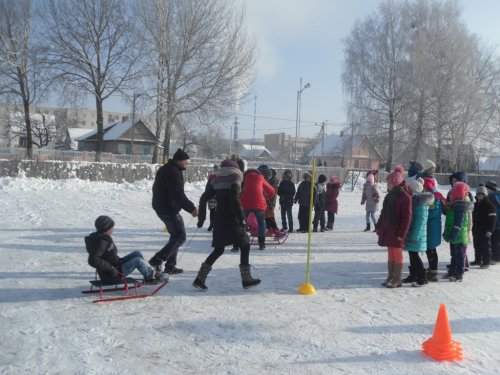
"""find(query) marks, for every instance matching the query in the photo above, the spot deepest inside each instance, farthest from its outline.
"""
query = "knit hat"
(229, 164)
(335, 180)
(287, 173)
(399, 168)
(415, 167)
(416, 185)
(394, 178)
(264, 169)
(180, 155)
(370, 179)
(459, 176)
(429, 184)
(481, 190)
(103, 224)
(459, 191)
(492, 185)
(321, 178)
(428, 164)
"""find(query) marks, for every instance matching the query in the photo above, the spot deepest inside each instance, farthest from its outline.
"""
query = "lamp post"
(297, 121)
(133, 121)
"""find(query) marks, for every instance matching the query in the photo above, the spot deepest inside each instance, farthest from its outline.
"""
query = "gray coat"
(371, 196)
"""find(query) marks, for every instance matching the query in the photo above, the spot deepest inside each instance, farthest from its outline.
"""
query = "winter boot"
(199, 282)
(235, 249)
(390, 272)
(396, 277)
(246, 278)
(410, 278)
(367, 229)
(262, 243)
(432, 275)
(421, 279)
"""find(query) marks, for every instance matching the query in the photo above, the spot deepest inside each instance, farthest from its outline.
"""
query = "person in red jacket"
(253, 199)
(393, 225)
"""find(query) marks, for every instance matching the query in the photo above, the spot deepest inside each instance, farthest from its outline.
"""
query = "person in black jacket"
(484, 218)
(103, 256)
(320, 204)
(168, 200)
(302, 197)
(229, 227)
(286, 192)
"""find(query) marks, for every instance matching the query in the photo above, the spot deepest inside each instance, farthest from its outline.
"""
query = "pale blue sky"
(303, 38)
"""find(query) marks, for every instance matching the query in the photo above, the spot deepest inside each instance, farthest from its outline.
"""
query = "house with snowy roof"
(346, 151)
(120, 137)
(254, 152)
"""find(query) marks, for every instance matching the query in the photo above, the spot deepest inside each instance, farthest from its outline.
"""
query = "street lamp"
(133, 121)
(297, 121)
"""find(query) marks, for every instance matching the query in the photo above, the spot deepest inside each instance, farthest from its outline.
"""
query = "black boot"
(410, 278)
(246, 278)
(262, 243)
(367, 229)
(199, 282)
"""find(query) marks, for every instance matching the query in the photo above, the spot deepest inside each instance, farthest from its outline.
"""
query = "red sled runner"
(275, 235)
(127, 285)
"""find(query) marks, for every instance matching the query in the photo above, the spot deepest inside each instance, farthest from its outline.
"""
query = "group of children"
(411, 220)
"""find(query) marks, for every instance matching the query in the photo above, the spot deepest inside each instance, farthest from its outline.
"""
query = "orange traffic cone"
(441, 346)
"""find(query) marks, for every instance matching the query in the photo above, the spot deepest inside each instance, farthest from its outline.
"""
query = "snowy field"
(351, 326)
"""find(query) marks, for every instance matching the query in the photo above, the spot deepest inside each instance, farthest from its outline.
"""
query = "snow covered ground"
(352, 325)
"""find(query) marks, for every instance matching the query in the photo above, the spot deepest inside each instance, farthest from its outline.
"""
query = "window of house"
(147, 150)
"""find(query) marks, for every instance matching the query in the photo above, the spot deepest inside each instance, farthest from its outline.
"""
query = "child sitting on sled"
(103, 256)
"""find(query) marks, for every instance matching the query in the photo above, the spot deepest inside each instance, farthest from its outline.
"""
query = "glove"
(488, 234)
(200, 224)
(454, 234)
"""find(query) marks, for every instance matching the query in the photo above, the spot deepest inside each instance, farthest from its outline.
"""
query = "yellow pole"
(308, 288)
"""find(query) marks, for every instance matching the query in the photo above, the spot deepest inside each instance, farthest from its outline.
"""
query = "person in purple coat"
(332, 204)
(392, 226)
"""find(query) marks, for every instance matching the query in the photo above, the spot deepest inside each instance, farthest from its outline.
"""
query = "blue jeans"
(261, 216)
(133, 261)
(175, 226)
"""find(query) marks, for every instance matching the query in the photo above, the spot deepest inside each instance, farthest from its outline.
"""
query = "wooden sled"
(129, 286)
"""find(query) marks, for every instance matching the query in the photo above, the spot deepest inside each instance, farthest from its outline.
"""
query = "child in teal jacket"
(416, 239)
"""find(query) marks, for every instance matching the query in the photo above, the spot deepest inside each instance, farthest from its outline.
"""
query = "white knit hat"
(428, 164)
(416, 185)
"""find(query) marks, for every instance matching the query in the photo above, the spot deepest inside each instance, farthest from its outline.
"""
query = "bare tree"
(91, 49)
(375, 60)
(21, 73)
(202, 60)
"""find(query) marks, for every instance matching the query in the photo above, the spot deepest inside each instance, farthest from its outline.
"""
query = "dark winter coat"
(434, 221)
(168, 190)
(416, 238)
(320, 201)
(395, 218)
(286, 192)
(229, 221)
(103, 256)
(303, 194)
(494, 198)
(332, 193)
(255, 191)
(457, 225)
(484, 218)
